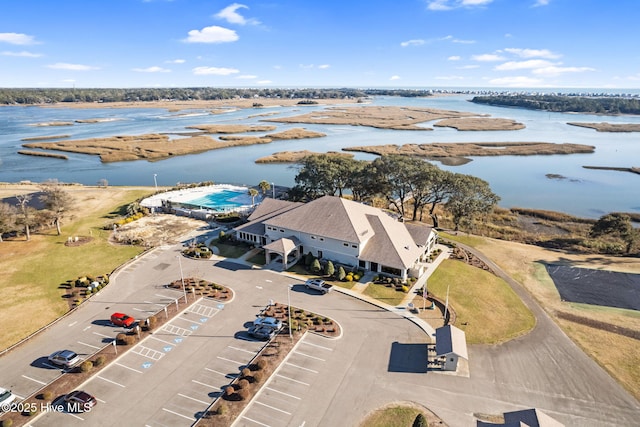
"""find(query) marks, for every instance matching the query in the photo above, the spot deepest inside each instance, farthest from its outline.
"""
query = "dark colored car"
(262, 332)
(66, 358)
(121, 319)
(80, 401)
(272, 322)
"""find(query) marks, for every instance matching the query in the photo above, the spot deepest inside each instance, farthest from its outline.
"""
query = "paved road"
(379, 359)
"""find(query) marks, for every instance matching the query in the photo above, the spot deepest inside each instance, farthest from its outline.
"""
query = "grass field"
(33, 270)
(487, 309)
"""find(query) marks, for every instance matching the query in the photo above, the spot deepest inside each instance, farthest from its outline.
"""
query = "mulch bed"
(78, 241)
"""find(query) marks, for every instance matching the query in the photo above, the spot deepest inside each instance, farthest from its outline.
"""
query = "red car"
(121, 319)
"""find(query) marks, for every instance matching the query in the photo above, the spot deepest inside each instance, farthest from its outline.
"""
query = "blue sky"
(313, 43)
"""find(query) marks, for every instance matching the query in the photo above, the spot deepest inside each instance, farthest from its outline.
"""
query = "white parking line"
(34, 380)
(155, 303)
(283, 393)
(158, 339)
(125, 366)
(273, 407)
(100, 400)
(230, 360)
(310, 356)
(302, 367)
(291, 379)
(102, 335)
(241, 349)
(88, 327)
(221, 373)
(257, 422)
(89, 345)
(148, 352)
(74, 415)
(194, 399)
(180, 415)
(109, 381)
(316, 345)
(73, 323)
(204, 384)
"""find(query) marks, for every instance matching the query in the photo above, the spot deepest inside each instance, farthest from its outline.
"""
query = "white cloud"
(247, 77)
(231, 15)
(541, 3)
(455, 40)
(151, 70)
(306, 66)
(488, 57)
(468, 67)
(522, 65)
(516, 81)
(449, 78)
(213, 34)
(394, 78)
(71, 67)
(553, 70)
(175, 61)
(454, 58)
(415, 42)
(23, 54)
(264, 82)
(17, 38)
(217, 71)
(533, 53)
(455, 4)
(324, 66)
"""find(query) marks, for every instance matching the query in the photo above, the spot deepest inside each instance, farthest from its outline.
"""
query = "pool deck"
(187, 195)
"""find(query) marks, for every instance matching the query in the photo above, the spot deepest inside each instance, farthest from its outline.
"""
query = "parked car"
(6, 398)
(262, 332)
(121, 319)
(272, 322)
(80, 401)
(66, 358)
(318, 285)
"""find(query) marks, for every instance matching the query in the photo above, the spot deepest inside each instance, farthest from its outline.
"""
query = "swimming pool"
(221, 200)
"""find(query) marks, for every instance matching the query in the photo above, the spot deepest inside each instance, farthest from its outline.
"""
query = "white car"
(6, 398)
(66, 358)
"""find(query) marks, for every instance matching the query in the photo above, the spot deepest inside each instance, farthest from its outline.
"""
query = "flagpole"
(446, 304)
(424, 295)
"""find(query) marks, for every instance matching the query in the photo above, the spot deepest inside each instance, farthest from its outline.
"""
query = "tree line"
(410, 185)
(557, 103)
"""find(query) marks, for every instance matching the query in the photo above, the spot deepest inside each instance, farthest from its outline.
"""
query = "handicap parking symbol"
(177, 340)
(220, 306)
(203, 319)
(147, 365)
(167, 348)
(194, 327)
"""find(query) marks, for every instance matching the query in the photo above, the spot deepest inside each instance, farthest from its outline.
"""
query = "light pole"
(289, 301)
(273, 189)
(155, 181)
(184, 290)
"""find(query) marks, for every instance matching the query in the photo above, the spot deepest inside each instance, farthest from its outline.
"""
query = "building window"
(345, 244)
(322, 239)
(354, 246)
(281, 230)
(313, 237)
(362, 264)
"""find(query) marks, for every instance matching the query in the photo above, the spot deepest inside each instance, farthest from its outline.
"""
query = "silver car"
(66, 358)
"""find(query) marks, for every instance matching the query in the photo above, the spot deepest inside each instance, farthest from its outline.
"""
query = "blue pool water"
(222, 200)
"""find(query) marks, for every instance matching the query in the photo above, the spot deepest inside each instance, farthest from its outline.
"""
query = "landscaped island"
(564, 103)
(295, 156)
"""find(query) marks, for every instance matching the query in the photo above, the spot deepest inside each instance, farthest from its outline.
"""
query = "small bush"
(315, 266)
(258, 377)
(99, 361)
(243, 383)
(420, 421)
(244, 394)
(86, 366)
(329, 269)
(222, 409)
(229, 390)
(6, 423)
(246, 372)
(405, 288)
(261, 364)
(151, 323)
(341, 273)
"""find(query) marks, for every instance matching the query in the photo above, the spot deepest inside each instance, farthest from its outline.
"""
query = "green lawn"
(487, 309)
(34, 270)
(395, 416)
(229, 251)
(382, 293)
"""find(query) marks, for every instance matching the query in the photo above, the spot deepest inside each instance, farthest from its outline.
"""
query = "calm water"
(519, 181)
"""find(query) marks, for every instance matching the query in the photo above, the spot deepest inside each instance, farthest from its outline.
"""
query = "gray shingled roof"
(450, 339)
(265, 210)
(532, 418)
(391, 244)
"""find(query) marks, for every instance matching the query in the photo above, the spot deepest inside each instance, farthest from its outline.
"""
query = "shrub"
(405, 288)
(341, 273)
(308, 259)
(420, 421)
(86, 366)
(243, 383)
(244, 394)
(222, 409)
(329, 268)
(6, 423)
(99, 360)
(349, 278)
(261, 364)
(46, 395)
(315, 266)
(151, 323)
(229, 390)
(246, 372)
(257, 377)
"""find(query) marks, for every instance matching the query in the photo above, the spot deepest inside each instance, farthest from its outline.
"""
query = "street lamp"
(184, 290)
(155, 181)
(289, 301)
(273, 188)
